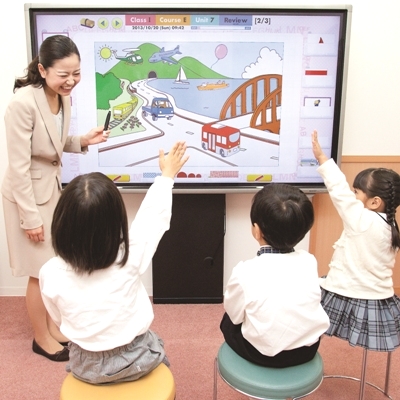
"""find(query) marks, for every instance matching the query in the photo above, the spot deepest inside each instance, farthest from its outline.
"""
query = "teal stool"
(267, 383)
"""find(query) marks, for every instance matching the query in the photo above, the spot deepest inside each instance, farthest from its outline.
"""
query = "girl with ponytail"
(357, 292)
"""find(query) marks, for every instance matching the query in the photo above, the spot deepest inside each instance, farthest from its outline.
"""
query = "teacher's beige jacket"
(35, 149)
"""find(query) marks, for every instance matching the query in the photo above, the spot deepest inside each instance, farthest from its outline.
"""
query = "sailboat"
(181, 78)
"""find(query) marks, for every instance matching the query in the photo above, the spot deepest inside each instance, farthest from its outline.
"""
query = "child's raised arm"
(318, 153)
(171, 163)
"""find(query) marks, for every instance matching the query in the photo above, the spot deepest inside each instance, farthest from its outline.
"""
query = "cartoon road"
(131, 150)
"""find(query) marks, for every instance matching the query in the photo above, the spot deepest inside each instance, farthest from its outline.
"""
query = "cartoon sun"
(105, 53)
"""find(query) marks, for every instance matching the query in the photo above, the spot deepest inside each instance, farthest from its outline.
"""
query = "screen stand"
(188, 263)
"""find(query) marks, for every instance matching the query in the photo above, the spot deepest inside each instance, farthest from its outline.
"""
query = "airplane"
(165, 56)
(130, 56)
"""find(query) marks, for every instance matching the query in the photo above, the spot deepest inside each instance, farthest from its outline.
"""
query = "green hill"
(108, 84)
(162, 70)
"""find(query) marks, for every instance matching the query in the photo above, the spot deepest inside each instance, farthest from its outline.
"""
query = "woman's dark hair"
(52, 49)
(90, 224)
(383, 183)
(283, 213)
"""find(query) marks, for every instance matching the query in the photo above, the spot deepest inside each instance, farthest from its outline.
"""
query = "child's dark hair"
(53, 48)
(383, 183)
(283, 213)
(90, 224)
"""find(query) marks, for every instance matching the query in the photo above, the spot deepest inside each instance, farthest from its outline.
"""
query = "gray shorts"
(122, 364)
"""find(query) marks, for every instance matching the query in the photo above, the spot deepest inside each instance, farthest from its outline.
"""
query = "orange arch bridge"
(246, 100)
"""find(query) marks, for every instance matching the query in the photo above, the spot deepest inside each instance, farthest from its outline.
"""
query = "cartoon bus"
(220, 139)
(121, 111)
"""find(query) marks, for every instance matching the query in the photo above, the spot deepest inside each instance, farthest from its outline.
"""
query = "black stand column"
(188, 263)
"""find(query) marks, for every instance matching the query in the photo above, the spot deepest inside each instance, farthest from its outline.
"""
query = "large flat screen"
(243, 86)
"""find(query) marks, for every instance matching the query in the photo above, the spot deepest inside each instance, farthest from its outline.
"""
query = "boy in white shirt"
(273, 313)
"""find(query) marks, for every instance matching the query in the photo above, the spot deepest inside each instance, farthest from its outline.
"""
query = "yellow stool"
(159, 384)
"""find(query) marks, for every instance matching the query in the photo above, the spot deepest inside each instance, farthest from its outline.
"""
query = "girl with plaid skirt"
(358, 293)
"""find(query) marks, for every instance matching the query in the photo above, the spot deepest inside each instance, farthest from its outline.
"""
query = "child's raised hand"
(171, 163)
(318, 153)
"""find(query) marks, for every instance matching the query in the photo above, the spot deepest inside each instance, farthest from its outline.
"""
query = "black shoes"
(62, 355)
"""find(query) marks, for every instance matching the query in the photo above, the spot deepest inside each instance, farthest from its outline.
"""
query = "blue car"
(160, 107)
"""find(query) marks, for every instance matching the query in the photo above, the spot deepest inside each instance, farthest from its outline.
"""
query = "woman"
(37, 123)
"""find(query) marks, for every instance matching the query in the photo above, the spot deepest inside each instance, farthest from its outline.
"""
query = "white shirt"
(59, 120)
(110, 307)
(277, 299)
(363, 260)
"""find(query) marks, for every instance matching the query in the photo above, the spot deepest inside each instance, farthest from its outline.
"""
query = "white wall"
(372, 118)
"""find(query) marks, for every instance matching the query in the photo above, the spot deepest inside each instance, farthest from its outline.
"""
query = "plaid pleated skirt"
(372, 324)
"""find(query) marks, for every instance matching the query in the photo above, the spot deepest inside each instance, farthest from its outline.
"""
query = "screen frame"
(341, 74)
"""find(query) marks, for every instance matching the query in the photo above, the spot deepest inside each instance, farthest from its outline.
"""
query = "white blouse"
(59, 120)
